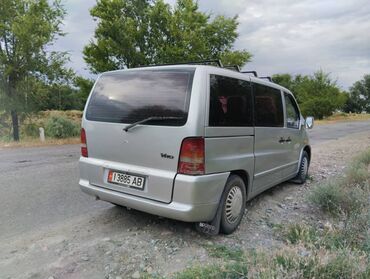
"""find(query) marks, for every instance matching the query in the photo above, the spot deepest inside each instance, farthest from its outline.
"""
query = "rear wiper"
(156, 118)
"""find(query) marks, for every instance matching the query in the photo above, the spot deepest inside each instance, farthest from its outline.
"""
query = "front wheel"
(233, 204)
(303, 169)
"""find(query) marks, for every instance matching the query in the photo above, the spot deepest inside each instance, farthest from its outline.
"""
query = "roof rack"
(205, 62)
(218, 63)
(250, 72)
(233, 67)
(268, 78)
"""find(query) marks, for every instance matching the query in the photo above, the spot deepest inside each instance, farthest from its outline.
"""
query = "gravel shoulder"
(117, 243)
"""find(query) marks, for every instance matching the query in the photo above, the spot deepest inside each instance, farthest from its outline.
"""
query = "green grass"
(296, 233)
(224, 252)
(234, 270)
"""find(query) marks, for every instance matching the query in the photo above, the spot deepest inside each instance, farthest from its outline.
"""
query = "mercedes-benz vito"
(190, 142)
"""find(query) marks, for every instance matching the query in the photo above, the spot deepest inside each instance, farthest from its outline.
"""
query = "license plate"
(126, 179)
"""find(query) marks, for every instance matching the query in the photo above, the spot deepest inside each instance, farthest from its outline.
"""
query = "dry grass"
(339, 250)
(41, 117)
(287, 262)
(35, 142)
(343, 117)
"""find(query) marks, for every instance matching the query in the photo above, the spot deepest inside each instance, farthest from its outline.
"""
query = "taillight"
(192, 156)
(84, 152)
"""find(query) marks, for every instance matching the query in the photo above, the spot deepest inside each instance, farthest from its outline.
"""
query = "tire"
(303, 169)
(233, 204)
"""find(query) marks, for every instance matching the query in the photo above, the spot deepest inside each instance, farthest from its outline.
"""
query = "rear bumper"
(195, 198)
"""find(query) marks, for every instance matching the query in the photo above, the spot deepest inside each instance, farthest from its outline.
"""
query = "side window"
(292, 112)
(230, 102)
(268, 106)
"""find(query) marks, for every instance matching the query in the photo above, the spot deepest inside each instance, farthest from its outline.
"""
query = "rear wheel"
(233, 204)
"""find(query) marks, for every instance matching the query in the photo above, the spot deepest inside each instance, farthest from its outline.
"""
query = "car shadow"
(118, 219)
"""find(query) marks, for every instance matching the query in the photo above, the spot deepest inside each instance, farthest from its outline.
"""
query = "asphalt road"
(327, 132)
(39, 186)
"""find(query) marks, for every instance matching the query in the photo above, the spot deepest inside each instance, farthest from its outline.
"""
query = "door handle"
(281, 140)
(288, 140)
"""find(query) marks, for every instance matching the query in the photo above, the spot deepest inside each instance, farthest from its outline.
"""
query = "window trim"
(295, 105)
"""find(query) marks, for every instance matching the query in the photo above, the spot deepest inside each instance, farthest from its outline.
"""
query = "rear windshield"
(131, 96)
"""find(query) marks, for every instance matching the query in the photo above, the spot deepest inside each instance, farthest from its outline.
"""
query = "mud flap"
(213, 227)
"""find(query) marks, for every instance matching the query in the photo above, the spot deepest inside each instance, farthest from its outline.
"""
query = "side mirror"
(309, 122)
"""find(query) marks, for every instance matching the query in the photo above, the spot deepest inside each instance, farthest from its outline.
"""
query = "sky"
(284, 36)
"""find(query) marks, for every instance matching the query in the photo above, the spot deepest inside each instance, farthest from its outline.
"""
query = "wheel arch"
(307, 148)
(246, 179)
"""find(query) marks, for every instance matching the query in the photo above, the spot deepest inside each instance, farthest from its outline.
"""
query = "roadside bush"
(329, 196)
(349, 195)
(30, 123)
(5, 127)
(30, 130)
(61, 127)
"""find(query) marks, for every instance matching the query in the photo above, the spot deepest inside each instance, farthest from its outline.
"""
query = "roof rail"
(214, 61)
(233, 67)
(205, 62)
(250, 72)
(268, 78)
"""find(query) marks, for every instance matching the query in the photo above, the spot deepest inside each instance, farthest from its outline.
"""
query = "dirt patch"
(118, 243)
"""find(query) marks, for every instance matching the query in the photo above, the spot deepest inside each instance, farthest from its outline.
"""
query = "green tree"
(285, 80)
(84, 87)
(27, 27)
(318, 95)
(131, 33)
(359, 96)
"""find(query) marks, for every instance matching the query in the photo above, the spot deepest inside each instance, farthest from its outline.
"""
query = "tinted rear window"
(230, 102)
(131, 96)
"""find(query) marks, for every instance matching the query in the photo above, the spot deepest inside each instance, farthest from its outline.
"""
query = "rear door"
(269, 147)
(149, 150)
(229, 133)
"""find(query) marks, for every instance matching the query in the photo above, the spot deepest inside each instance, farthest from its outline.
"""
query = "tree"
(27, 27)
(131, 33)
(318, 95)
(84, 87)
(285, 80)
(359, 96)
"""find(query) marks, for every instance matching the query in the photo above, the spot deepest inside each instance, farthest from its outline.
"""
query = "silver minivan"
(190, 142)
